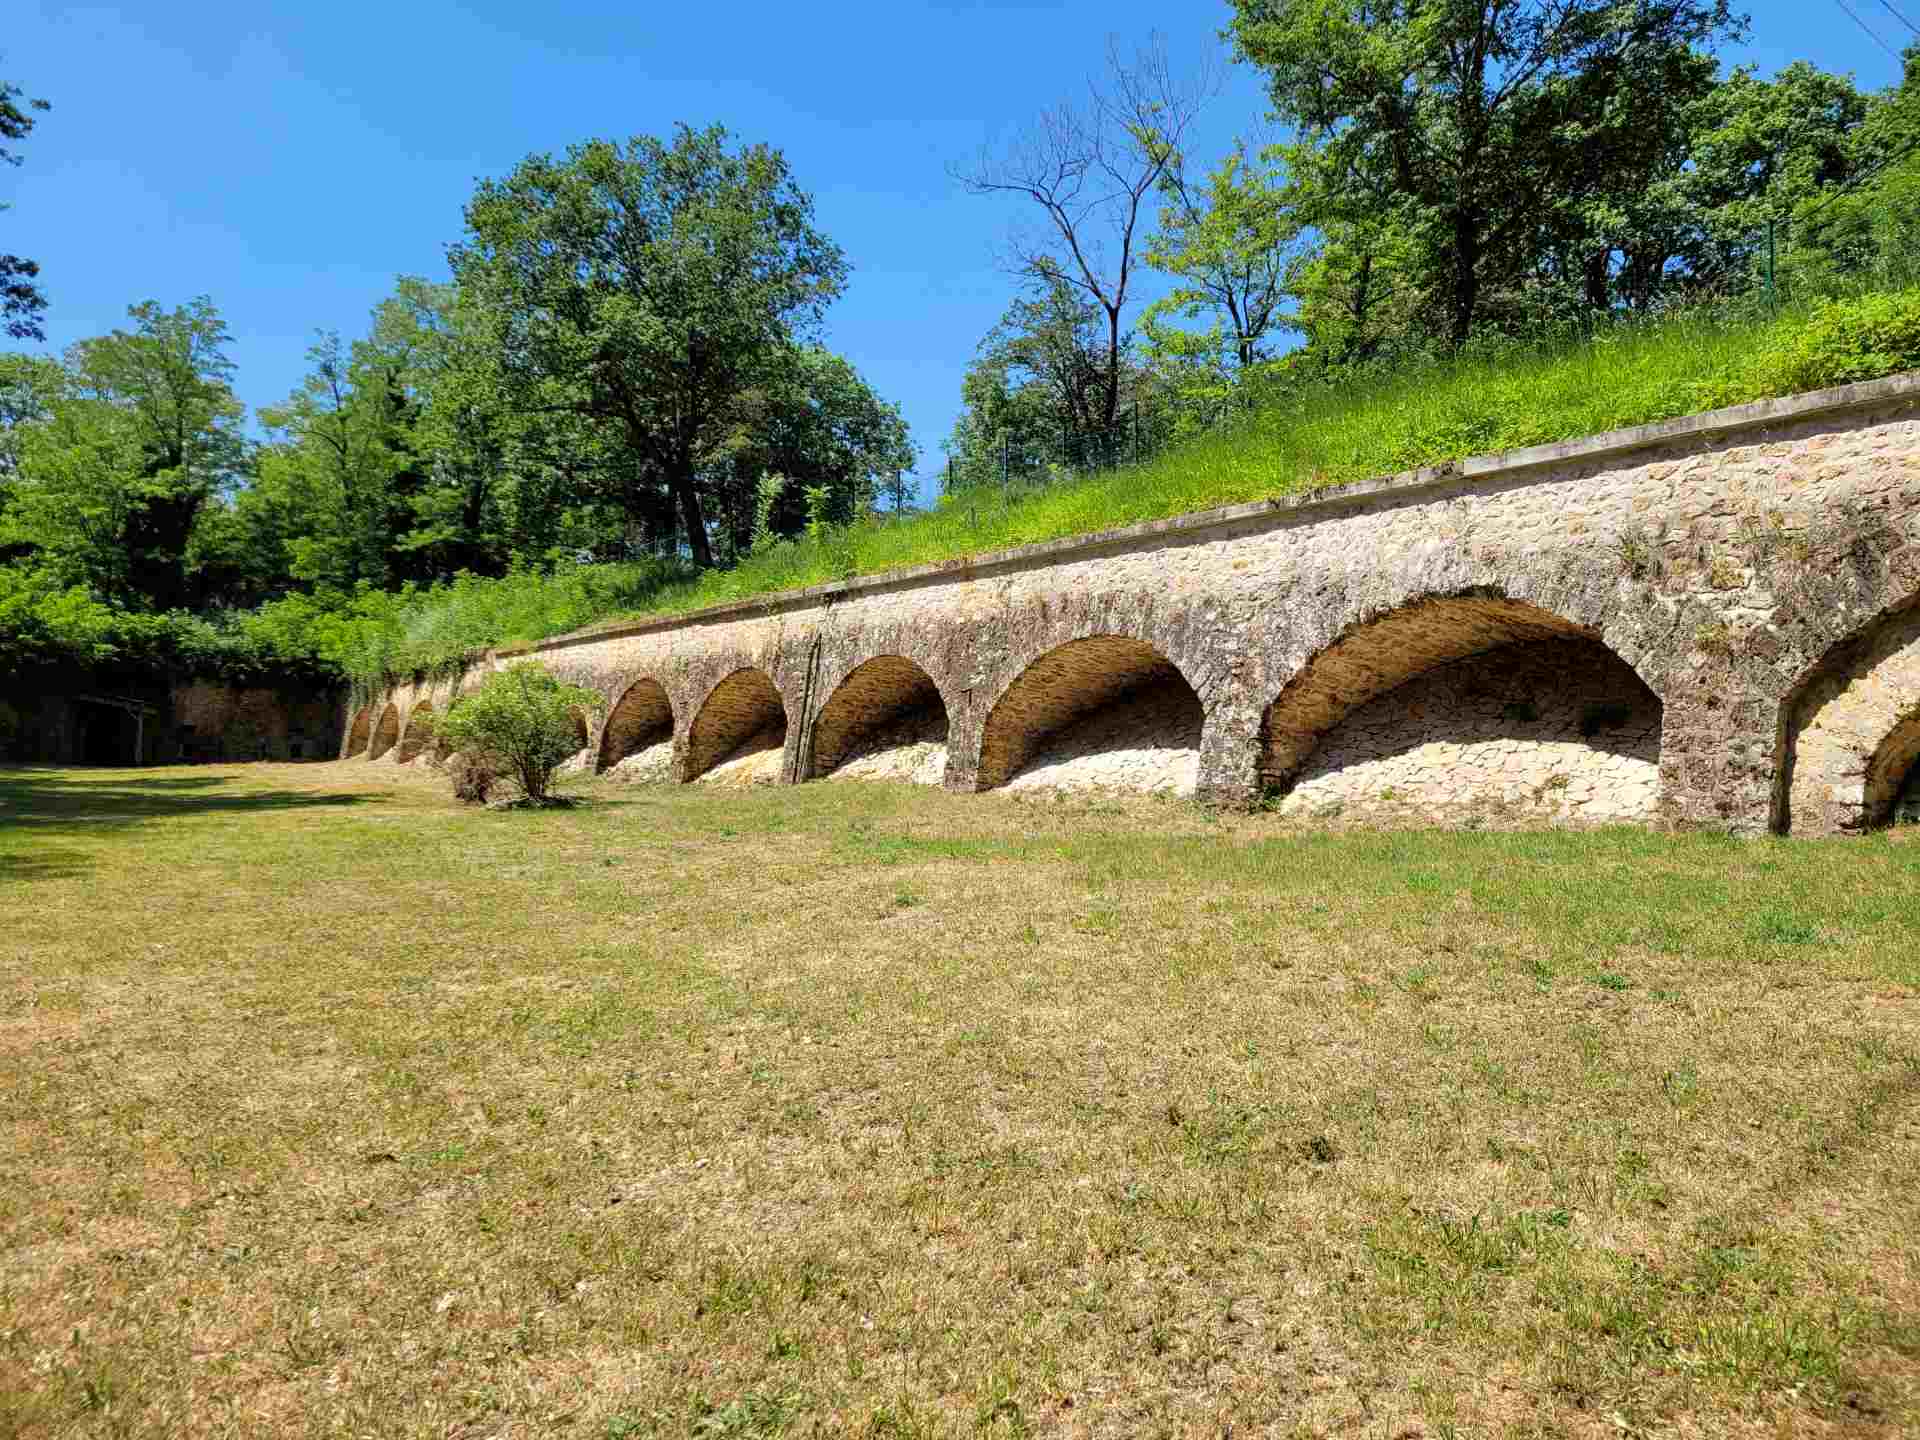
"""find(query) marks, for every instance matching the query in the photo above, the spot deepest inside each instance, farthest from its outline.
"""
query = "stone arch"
(886, 694)
(642, 719)
(1850, 731)
(1066, 693)
(387, 733)
(360, 731)
(582, 730)
(1450, 704)
(742, 715)
(418, 733)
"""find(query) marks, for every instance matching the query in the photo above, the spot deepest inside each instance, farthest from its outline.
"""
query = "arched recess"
(888, 702)
(582, 731)
(1851, 732)
(419, 732)
(360, 731)
(743, 715)
(642, 719)
(386, 734)
(1459, 703)
(1105, 710)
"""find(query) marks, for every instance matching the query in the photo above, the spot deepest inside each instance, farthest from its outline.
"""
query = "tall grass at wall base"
(1303, 439)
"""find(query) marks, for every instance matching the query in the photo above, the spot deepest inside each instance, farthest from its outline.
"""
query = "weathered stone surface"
(1738, 565)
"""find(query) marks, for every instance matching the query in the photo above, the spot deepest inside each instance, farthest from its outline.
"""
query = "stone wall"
(1702, 623)
(82, 718)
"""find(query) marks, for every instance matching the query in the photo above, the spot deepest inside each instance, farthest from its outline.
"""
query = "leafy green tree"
(139, 435)
(21, 301)
(1463, 116)
(520, 720)
(648, 288)
(816, 422)
(1231, 243)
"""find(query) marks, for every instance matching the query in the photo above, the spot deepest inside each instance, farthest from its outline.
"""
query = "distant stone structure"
(72, 717)
(1709, 622)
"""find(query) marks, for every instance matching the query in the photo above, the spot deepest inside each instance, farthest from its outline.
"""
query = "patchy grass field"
(331, 1109)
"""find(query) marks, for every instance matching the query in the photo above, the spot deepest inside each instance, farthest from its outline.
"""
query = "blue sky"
(290, 159)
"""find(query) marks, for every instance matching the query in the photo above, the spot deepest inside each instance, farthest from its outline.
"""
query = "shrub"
(1844, 341)
(517, 724)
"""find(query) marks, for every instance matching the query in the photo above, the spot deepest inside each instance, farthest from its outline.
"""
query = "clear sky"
(290, 158)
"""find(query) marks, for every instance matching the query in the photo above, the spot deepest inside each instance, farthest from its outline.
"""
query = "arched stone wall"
(360, 732)
(418, 733)
(642, 719)
(1381, 654)
(1085, 686)
(386, 734)
(743, 714)
(1852, 730)
(1559, 729)
(582, 728)
(886, 702)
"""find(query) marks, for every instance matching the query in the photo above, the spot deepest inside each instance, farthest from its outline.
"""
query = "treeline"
(626, 352)
(1450, 180)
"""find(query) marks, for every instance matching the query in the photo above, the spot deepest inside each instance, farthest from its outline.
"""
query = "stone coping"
(1200, 525)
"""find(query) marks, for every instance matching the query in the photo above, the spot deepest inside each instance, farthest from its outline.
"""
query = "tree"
(1468, 114)
(1037, 393)
(140, 434)
(1091, 168)
(816, 422)
(1230, 242)
(647, 288)
(20, 299)
(520, 720)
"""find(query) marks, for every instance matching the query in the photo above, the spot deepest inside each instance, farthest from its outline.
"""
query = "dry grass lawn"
(328, 1108)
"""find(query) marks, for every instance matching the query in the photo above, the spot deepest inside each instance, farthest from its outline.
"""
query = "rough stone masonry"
(1713, 621)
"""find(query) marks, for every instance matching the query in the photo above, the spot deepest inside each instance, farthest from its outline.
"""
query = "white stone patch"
(651, 766)
(580, 762)
(756, 762)
(1147, 743)
(912, 748)
(1559, 729)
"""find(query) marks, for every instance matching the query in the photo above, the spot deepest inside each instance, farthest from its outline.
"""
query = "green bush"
(1842, 342)
(519, 723)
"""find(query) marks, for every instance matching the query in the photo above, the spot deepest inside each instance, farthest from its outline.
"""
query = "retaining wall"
(1713, 621)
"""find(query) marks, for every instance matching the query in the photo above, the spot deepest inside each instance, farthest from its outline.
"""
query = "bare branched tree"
(1092, 168)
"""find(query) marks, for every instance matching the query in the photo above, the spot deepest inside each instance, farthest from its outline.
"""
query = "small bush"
(1844, 341)
(519, 724)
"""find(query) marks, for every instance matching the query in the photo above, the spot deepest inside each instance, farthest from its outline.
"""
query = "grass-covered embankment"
(1311, 438)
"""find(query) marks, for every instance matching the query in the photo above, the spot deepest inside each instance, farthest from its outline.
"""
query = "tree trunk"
(1599, 294)
(691, 513)
(1466, 275)
(1111, 400)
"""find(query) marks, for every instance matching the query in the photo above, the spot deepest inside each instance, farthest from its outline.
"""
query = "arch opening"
(636, 743)
(419, 733)
(1464, 706)
(1850, 734)
(886, 721)
(360, 731)
(740, 733)
(386, 734)
(1106, 712)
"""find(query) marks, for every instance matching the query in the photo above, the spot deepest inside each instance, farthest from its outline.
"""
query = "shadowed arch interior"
(386, 734)
(582, 733)
(419, 732)
(1850, 732)
(1382, 655)
(1068, 684)
(743, 710)
(879, 693)
(642, 719)
(360, 732)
